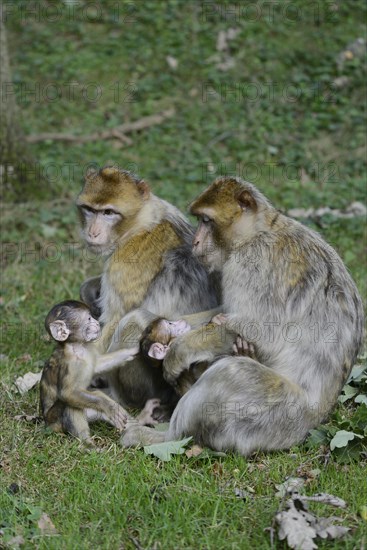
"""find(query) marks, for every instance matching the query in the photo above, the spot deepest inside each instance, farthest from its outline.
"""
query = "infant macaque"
(155, 346)
(158, 336)
(67, 403)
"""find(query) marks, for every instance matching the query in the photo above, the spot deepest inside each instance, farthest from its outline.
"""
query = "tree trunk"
(18, 176)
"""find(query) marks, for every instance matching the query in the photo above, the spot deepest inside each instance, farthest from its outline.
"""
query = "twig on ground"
(114, 133)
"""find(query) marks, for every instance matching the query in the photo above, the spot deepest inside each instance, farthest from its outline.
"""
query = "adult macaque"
(67, 404)
(147, 245)
(149, 263)
(286, 291)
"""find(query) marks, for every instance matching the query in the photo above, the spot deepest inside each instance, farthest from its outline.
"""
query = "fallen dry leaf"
(224, 37)
(298, 525)
(15, 541)
(291, 485)
(172, 62)
(325, 498)
(227, 64)
(308, 474)
(326, 530)
(28, 381)
(195, 450)
(27, 417)
(217, 469)
(295, 528)
(46, 526)
(24, 358)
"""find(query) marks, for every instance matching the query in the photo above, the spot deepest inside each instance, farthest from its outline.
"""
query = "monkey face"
(108, 204)
(100, 227)
(89, 329)
(72, 321)
(227, 213)
(209, 250)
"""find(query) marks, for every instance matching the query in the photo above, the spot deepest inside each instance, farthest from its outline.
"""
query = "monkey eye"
(205, 219)
(87, 209)
(108, 212)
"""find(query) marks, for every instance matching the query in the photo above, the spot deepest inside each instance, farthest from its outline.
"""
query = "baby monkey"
(155, 346)
(67, 403)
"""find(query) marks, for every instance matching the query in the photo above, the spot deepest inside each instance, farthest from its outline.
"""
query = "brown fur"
(142, 254)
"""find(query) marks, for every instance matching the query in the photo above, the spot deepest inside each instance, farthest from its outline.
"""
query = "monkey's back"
(306, 308)
(51, 406)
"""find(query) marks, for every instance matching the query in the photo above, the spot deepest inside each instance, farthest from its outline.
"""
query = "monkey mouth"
(93, 335)
(98, 248)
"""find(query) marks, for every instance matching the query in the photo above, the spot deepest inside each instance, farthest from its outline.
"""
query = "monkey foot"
(136, 434)
(219, 319)
(146, 417)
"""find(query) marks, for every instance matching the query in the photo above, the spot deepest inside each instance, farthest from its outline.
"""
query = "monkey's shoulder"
(151, 243)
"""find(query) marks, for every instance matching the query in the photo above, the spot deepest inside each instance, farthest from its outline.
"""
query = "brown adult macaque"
(67, 403)
(284, 290)
(162, 341)
(149, 263)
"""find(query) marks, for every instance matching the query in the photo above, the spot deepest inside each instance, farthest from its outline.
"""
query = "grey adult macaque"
(286, 291)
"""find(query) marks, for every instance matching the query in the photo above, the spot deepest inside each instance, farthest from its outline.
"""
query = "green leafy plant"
(346, 434)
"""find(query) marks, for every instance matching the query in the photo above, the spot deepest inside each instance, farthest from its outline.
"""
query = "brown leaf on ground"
(217, 469)
(195, 450)
(46, 526)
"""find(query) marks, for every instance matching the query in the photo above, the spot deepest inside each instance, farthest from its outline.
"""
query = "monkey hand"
(243, 348)
(119, 417)
(219, 319)
(130, 353)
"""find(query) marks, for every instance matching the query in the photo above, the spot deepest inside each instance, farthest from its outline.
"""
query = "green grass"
(308, 152)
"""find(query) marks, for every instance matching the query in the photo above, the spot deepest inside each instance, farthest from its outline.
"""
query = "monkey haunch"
(275, 273)
(149, 264)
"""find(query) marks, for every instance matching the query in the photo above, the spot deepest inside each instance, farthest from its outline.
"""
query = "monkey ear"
(59, 331)
(157, 351)
(247, 201)
(91, 173)
(144, 189)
